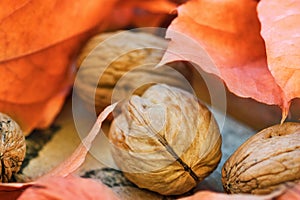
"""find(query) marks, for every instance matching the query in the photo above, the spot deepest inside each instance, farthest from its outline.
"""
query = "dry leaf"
(67, 188)
(207, 195)
(39, 42)
(71, 164)
(291, 194)
(11, 191)
(228, 32)
(280, 30)
(140, 13)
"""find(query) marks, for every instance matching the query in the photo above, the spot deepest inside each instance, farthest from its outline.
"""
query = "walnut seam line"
(170, 150)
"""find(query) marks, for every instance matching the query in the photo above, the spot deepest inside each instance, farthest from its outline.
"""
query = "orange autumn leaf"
(39, 40)
(67, 188)
(223, 38)
(289, 193)
(138, 13)
(208, 195)
(280, 30)
(13, 190)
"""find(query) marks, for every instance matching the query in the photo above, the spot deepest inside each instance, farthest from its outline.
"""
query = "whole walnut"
(165, 140)
(265, 162)
(12, 147)
(124, 63)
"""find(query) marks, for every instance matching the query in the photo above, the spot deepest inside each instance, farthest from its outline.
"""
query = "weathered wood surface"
(99, 164)
(243, 117)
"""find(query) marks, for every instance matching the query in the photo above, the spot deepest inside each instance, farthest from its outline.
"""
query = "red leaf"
(223, 38)
(68, 188)
(291, 194)
(11, 191)
(207, 195)
(38, 43)
(280, 30)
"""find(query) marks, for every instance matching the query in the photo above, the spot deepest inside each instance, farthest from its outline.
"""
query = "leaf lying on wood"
(38, 45)
(67, 188)
(207, 195)
(223, 38)
(289, 193)
(71, 164)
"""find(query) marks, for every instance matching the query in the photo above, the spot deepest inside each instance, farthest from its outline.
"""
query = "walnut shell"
(12, 147)
(265, 161)
(165, 140)
(107, 57)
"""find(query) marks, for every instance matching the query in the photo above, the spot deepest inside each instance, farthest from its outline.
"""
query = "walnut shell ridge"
(12, 147)
(265, 162)
(165, 140)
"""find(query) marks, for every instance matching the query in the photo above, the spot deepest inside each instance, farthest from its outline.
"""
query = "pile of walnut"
(164, 139)
(12, 148)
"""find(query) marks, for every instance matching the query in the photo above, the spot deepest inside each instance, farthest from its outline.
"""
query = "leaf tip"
(285, 111)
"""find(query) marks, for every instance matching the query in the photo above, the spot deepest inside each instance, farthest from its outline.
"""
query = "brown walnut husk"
(165, 140)
(265, 162)
(107, 57)
(12, 147)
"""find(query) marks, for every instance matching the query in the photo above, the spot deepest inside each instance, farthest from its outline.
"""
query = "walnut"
(108, 57)
(12, 147)
(265, 162)
(165, 140)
